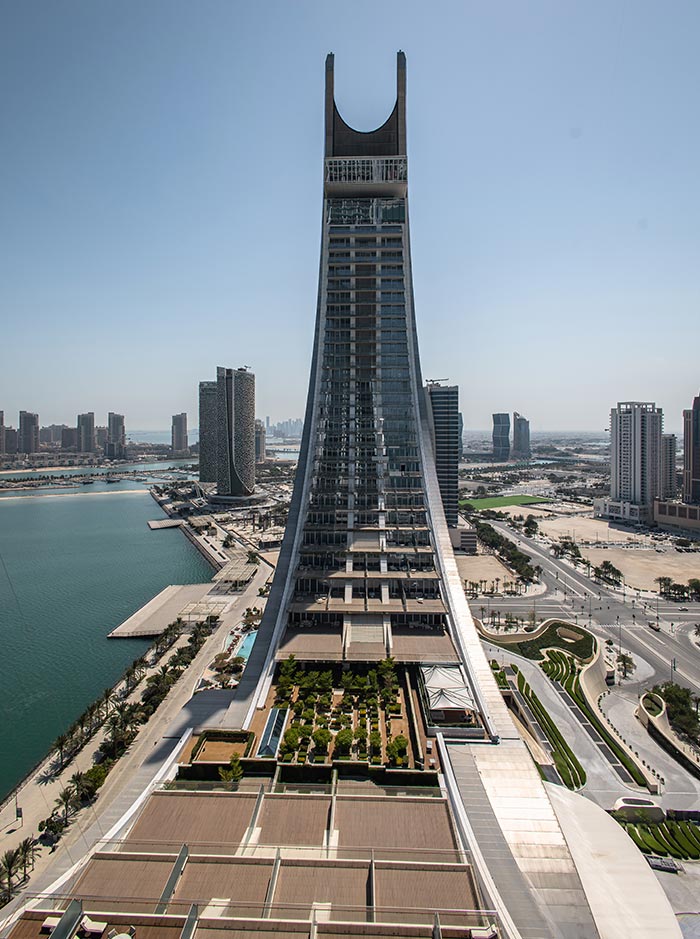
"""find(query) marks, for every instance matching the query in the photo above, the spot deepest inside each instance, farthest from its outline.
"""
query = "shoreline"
(137, 757)
(48, 756)
(202, 548)
(49, 470)
(63, 495)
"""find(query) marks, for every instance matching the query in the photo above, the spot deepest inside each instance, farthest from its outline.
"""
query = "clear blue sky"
(160, 199)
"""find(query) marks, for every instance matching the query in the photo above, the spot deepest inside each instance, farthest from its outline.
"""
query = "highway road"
(624, 617)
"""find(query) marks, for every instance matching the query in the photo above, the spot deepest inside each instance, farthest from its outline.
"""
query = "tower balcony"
(369, 176)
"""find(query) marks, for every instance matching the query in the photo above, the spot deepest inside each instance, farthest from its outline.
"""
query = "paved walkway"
(163, 609)
(603, 785)
(680, 790)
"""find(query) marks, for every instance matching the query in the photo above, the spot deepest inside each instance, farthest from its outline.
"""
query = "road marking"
(658, 656)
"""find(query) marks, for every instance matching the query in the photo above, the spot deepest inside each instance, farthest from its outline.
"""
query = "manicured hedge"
(680, 840)
(572, 773)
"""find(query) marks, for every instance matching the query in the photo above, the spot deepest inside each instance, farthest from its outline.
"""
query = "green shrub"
(343, 740)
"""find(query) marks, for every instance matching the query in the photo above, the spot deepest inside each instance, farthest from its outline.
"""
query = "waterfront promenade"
(155, 615)
(155, 741)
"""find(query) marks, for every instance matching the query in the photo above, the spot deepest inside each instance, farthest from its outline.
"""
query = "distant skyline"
(162, 173)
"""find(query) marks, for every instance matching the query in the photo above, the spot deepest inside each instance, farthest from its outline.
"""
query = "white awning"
(446, 688)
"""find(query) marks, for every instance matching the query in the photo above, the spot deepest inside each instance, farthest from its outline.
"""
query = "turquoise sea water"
(163, 465)
(73, 565)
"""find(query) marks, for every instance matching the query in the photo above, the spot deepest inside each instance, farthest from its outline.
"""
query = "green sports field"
(496, 502)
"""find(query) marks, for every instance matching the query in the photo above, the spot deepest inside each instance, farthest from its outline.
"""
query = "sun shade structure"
(447, 689)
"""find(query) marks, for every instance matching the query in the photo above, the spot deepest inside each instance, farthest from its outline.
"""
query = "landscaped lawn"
(553, 637)
(495, 502)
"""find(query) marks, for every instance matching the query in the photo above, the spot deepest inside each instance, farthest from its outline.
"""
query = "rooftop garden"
(344, 714)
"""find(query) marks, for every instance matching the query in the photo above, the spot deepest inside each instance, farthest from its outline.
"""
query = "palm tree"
(121, 722)
(9, 862)
(27, 852)
(93, 713)
(129, 676)
(107, 699)
(664, 584)
(60, 744)
(65, 801)
(140, 666)
(163, 677)
(81, 786)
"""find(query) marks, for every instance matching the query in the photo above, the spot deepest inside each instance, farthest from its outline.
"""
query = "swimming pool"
(246, 644)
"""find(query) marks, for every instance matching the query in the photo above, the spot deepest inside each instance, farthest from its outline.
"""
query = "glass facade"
(365, 551)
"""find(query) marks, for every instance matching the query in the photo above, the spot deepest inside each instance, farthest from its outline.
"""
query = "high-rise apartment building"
(444, 416)
(501, 437)
(691, 453)
(51, 435)
(115, 448)
(2, 432)
(521, 437)
(85, 428)
(668, 486)
(69, 438)
(636, 428)
(208, 431)
(260, 441)
(668, 513)
(28, 434)
(178, 433)
(636, 479)
(235, 449)
(11, 440)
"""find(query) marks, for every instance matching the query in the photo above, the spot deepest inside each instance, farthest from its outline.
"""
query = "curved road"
(623, 616)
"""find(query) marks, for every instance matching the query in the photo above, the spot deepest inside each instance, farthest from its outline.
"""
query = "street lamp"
(619, 635)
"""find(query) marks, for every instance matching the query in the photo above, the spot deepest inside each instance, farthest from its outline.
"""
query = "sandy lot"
(481, 567)
(548, 510)
(586, 528)
(524, 510)
(641, 567)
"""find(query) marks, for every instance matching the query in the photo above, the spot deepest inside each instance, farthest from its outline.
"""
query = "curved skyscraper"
(366, 569)
(386, 790)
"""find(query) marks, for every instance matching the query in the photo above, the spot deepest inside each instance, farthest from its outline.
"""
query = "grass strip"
(692, 832)
(634, 835)
(573, 686)
(654, 845)
(568, 766)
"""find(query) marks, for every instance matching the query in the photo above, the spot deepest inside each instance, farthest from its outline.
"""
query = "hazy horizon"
(161, 193)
